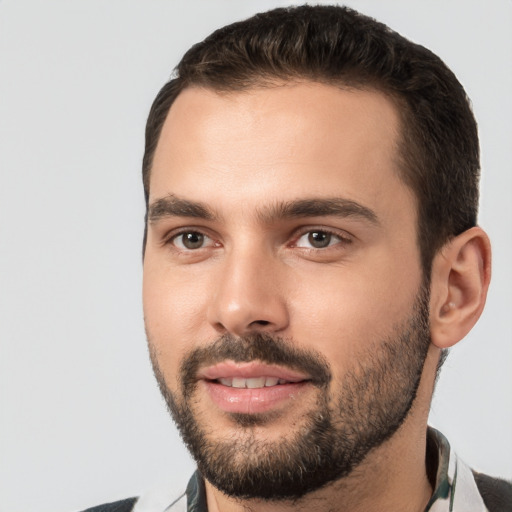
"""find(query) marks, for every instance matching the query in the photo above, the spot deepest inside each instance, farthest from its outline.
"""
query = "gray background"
(81, 418)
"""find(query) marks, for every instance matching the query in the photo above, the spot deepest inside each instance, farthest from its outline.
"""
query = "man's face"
(284, 303)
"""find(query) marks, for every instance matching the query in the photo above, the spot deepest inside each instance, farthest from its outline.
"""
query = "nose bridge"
(249, 297)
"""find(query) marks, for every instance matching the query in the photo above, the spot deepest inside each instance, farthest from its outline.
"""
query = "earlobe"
(461, 272)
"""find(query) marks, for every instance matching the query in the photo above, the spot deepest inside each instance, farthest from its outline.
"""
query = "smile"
(252, 383)
(252, 387)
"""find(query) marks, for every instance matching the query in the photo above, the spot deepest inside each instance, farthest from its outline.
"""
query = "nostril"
(260, 322)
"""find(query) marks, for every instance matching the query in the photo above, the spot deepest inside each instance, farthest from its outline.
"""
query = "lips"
(253, 387)
(229, 370)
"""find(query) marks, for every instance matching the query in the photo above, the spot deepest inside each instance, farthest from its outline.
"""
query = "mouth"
(252, 383)
(252, 388)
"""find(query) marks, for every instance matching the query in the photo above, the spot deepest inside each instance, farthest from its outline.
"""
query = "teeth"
(239, 382)
(252, 383)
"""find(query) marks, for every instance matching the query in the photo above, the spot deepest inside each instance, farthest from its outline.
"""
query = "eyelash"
(170, 240)
(342, 239)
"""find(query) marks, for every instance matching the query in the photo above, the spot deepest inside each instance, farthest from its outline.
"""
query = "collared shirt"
(455, 487)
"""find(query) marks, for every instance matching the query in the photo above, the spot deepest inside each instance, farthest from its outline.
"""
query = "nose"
(249, 296)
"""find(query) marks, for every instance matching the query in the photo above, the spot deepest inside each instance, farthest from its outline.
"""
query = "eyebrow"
(321, 207)
(174, 206)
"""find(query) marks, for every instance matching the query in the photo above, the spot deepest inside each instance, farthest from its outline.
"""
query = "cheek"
(343, 312)
(174, 312)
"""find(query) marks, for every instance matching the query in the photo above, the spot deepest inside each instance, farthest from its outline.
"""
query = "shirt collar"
(196, 494)
(455, 489)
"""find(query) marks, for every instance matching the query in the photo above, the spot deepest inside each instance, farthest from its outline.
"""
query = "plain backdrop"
(81, 419)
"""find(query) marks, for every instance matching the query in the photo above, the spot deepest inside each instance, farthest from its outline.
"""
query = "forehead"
(277, 143)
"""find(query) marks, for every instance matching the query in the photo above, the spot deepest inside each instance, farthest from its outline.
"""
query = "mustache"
(262, 347)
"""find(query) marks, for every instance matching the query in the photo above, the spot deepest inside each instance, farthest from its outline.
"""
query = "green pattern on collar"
(443, 487)
(196, 494)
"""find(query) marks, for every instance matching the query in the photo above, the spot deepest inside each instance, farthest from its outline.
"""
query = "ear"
(460, 277)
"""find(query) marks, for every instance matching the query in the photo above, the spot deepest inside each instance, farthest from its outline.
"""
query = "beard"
(335, 435)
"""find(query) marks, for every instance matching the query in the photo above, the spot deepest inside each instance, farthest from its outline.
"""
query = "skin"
(241, 154)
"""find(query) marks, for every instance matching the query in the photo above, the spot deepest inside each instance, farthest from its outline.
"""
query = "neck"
(392, 478)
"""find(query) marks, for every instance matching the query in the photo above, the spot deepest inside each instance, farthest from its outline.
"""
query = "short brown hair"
(439, 151)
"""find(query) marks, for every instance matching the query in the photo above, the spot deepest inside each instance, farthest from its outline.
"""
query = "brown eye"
(319, 239)
(190, 240)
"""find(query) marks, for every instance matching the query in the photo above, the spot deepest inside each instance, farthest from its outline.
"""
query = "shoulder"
(116, 506)
(496, 492)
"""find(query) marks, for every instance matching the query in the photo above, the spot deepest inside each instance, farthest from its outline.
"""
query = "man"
(311, 251)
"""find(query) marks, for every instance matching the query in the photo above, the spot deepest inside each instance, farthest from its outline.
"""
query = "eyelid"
(168, 238)
(344, 237)
(173, 234)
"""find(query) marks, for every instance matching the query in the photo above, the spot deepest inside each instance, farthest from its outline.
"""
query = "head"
(311, 181)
